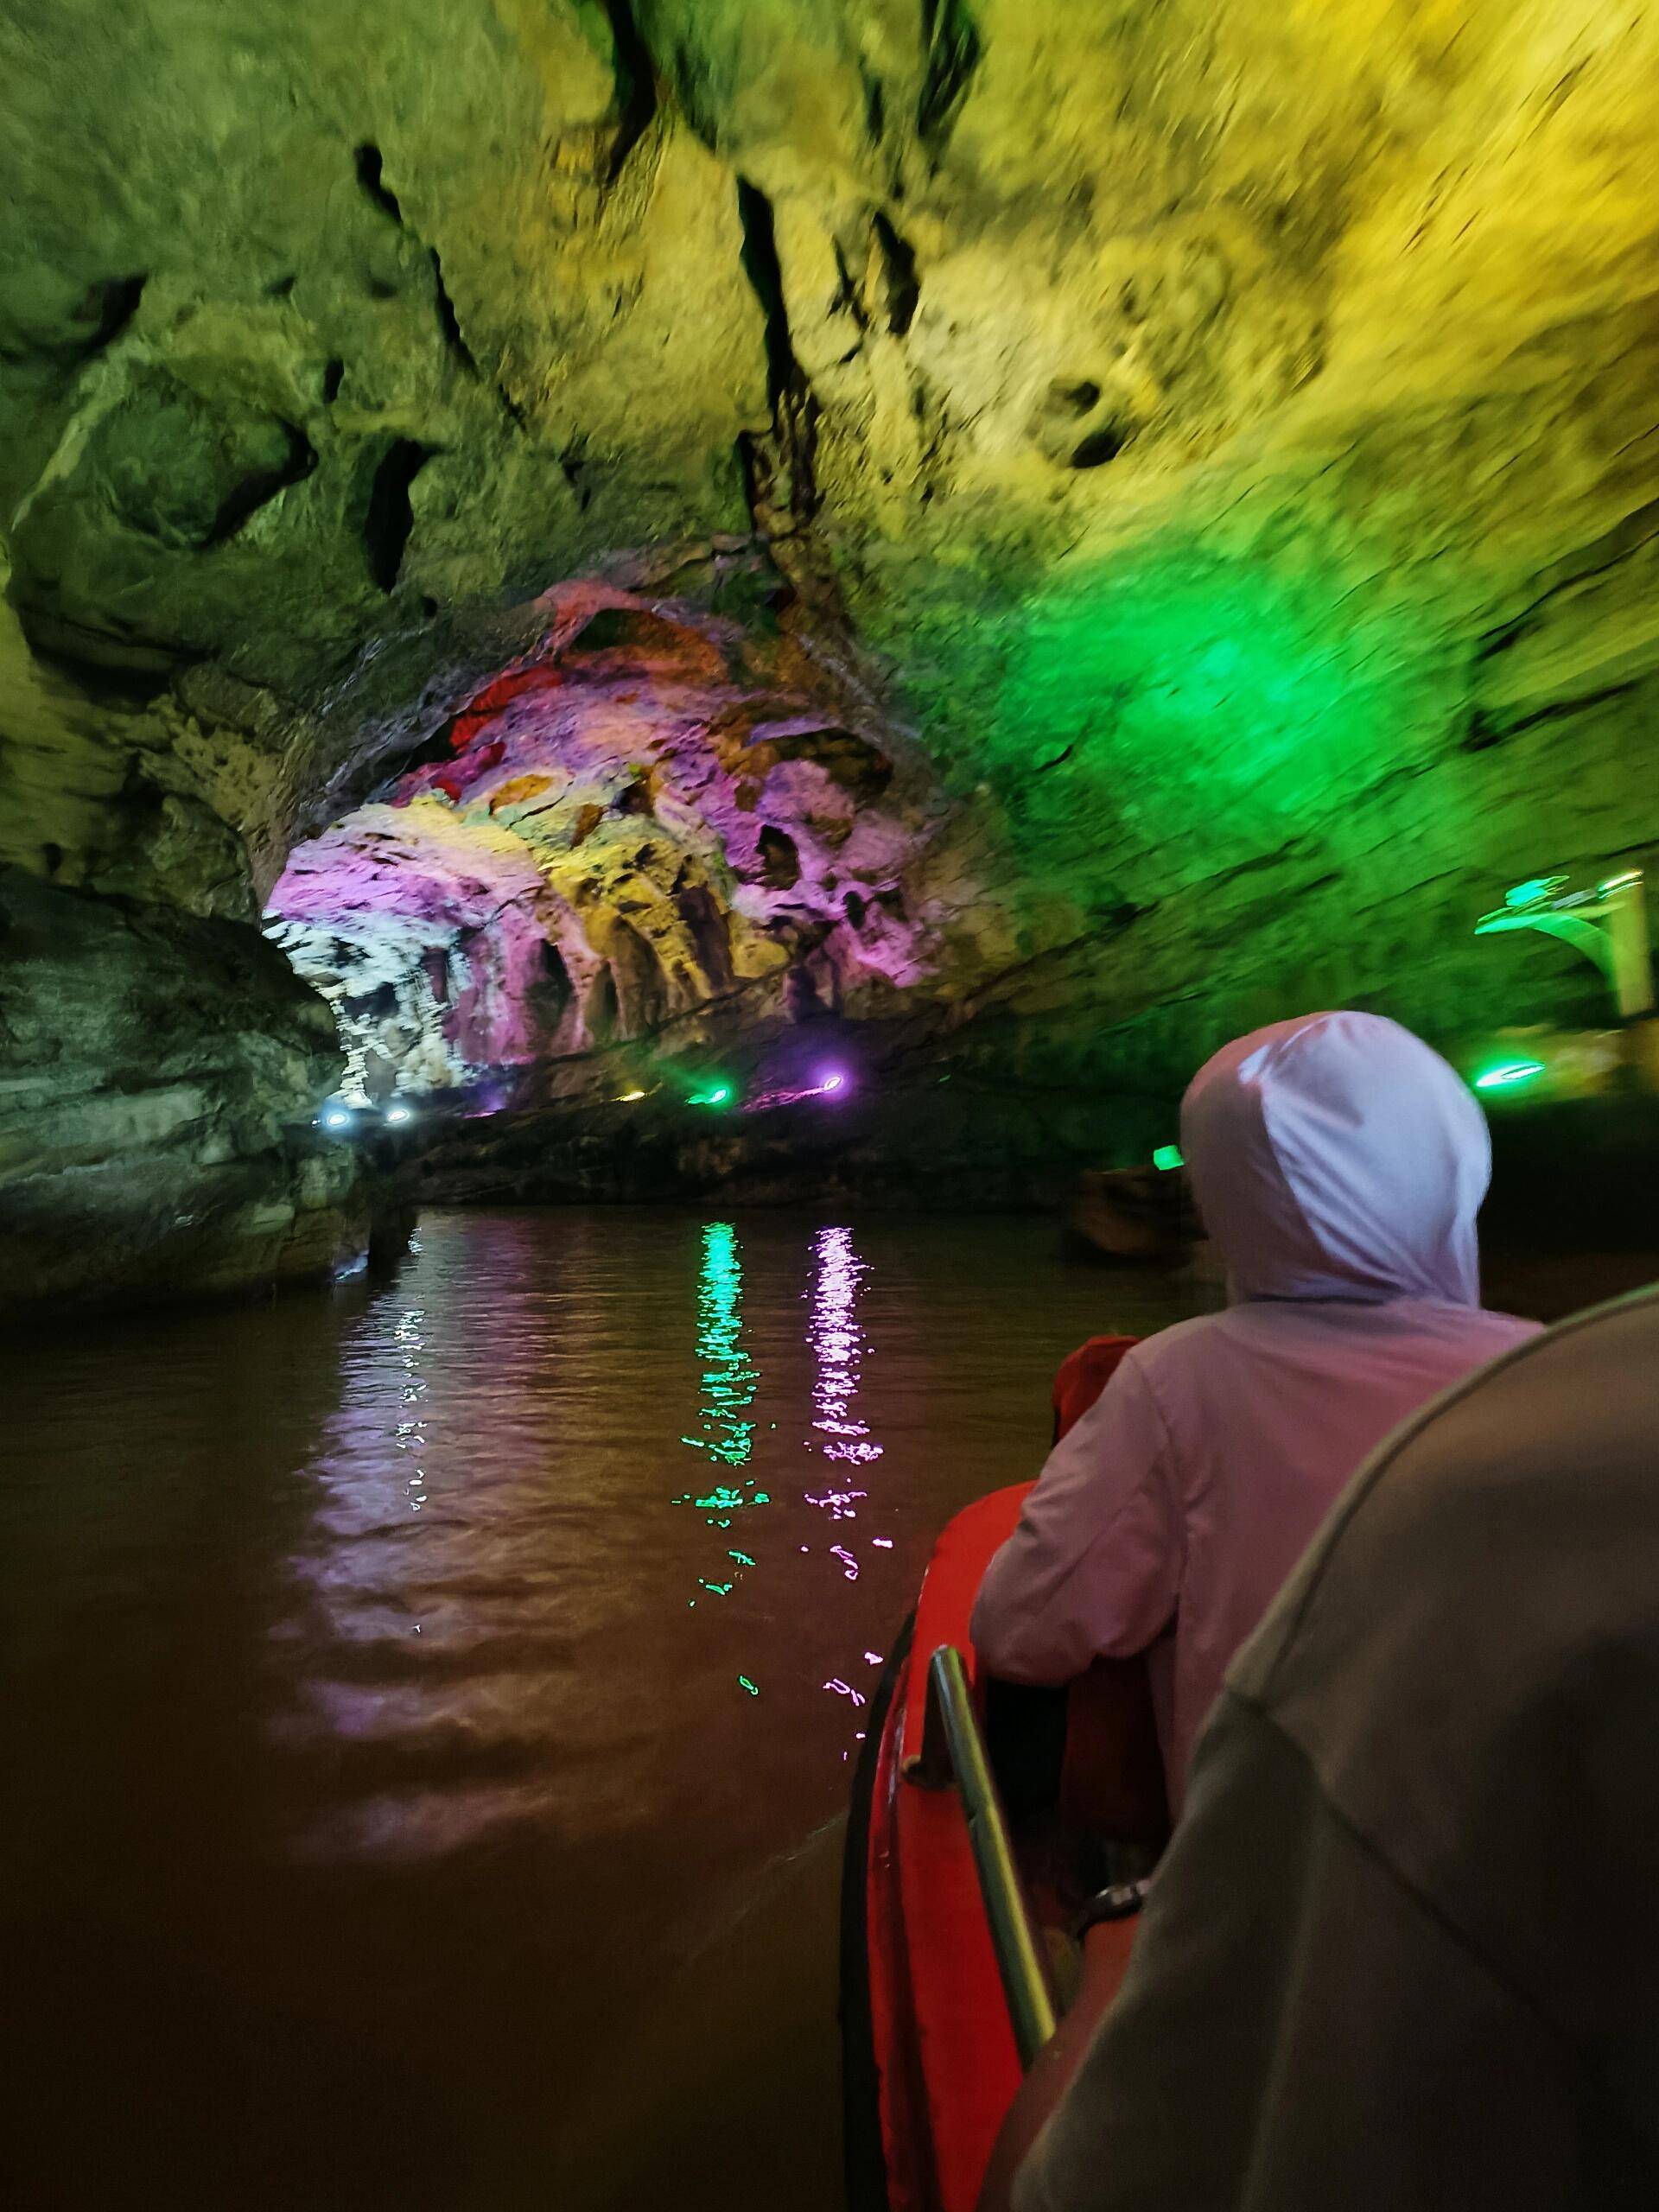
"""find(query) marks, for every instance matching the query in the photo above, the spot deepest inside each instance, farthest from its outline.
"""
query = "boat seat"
(1111, 1781)
(1086, 1752)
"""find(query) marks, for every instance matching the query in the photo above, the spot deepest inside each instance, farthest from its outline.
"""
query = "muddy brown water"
(429, 1709)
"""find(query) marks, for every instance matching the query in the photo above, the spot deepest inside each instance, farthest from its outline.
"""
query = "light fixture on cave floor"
(400, 1112)
(1506, 1074)
(1607, 923)
(1168, 1156)
(335, 1116)
(719, 1095)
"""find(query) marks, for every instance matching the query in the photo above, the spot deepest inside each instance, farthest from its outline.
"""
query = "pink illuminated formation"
(650, 813)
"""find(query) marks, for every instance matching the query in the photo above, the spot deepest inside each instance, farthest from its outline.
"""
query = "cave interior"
(626, 598)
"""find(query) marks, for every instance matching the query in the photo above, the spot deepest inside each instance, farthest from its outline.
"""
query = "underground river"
(429, 1706)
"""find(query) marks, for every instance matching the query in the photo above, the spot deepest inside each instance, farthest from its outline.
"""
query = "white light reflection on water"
(838, 1342)
(839, 1346)
(412, 1434)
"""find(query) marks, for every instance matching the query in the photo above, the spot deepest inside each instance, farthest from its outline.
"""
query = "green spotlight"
(1534, 890)
(1168, 1155)
(720, 1095)
(1508, 1073)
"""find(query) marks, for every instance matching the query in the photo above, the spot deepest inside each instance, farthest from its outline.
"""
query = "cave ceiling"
(1209, 452)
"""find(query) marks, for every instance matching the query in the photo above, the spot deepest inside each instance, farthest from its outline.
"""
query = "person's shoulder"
(1502, 1529)
(1172, 1347)
(1503, 1329)
(1473, 1639)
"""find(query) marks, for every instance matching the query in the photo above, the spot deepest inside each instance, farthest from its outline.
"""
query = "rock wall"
(1221, 447)
(155, 1108)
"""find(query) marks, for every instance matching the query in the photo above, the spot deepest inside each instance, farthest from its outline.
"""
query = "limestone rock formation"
(654, 826)
(156, 1107)
(1214, 451)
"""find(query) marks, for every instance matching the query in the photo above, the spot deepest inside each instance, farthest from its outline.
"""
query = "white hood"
(1337, 1156)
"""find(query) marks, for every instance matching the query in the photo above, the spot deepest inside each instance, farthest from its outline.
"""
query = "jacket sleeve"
(1094, 1564)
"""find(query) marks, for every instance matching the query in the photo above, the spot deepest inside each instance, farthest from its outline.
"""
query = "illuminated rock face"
(1225, 443)
(652, 826)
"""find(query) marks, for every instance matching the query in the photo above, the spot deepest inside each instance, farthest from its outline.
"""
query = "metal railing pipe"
(953, 1735)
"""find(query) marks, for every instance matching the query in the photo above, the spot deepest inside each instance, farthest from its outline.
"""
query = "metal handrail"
(953, 1748)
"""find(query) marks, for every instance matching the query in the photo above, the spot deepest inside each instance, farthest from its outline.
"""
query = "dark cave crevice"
(1099, 446)
(709, 930)
(779, 858)
(875, 105)
(104, 311)
(448, 321)
(369, 174)
(577, 471)
(367, 160)
(599, 1011)
(1486, 728)
(390, 518)
(115, 302)
(850, 761)
(245, 498)
(765, 272)
(552, 993)
(641, 986)
(953, 55)
(778, 471)
(636, 83)
(1081, 397)
(902, 284)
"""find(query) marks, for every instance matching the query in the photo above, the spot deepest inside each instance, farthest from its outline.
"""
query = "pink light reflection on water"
(838, 1345)
(837, 1342)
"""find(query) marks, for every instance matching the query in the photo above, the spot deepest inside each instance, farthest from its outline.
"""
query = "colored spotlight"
(1168, 1155)
(1511, 1071)
(720, 1095)
(627, 1097)
(833, 1081)
(1534, 890)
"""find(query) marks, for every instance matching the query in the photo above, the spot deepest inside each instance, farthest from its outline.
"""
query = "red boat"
(983, 1816)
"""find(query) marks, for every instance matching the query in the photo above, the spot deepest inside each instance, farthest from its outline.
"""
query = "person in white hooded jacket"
(1338, 1165)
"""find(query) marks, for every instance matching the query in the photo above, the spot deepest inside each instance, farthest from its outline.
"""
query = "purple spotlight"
(833, 1080)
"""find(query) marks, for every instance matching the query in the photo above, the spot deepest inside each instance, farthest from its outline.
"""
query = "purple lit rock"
(651, 822)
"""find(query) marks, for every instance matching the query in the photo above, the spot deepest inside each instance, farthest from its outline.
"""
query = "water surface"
(429, 1709)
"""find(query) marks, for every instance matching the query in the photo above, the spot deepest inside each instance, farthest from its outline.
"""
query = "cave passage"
(666, 666)
(641, 867)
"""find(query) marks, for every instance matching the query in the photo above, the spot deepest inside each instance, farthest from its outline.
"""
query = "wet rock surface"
(156, 1111)
(1212, 461)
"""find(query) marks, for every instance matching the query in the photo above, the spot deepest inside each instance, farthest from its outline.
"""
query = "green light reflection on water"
(728, 1376)
(728, 1381)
